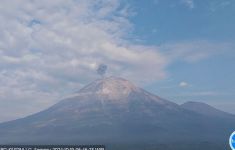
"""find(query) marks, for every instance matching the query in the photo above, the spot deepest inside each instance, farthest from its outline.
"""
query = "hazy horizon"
(98, 78)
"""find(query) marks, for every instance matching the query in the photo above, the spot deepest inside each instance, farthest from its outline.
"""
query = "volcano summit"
(115, 112)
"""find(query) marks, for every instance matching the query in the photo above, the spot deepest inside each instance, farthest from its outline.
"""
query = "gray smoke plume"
(101, 70)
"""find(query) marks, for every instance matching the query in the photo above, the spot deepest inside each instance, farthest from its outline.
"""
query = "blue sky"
(181, 50)
(162, 21)
(209, 80)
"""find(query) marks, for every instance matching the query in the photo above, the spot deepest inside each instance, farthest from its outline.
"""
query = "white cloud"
(189, 3)
(193, 51)
(218, 5)
(50, 48)
(183, 84)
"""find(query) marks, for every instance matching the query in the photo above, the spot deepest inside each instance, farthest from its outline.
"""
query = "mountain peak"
(114, 87)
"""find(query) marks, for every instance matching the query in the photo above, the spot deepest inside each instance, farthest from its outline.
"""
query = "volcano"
(115, 112)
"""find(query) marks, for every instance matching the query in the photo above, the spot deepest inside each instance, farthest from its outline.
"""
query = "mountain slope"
(205, 109)
(113, 110)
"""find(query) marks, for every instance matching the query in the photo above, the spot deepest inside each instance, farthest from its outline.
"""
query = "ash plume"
(101, 70)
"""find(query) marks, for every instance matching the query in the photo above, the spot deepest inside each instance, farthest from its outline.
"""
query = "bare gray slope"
(113, 110)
